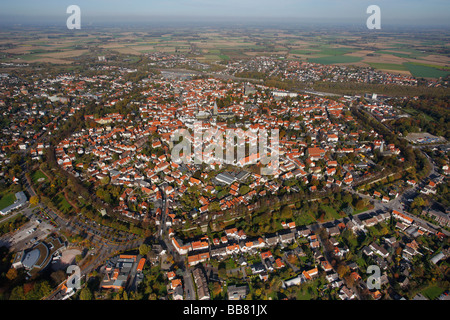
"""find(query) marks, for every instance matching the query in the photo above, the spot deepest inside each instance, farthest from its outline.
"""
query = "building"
(38, 257)
(316, 153)
(237, 292)
(294, 281)
(118, 270)
(201, 283)
(225, 178)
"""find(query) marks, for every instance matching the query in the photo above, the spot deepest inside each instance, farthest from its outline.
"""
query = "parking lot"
(27, 235)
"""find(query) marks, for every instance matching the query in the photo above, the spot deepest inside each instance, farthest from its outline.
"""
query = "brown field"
(386, 58)
(42, 59)
(433, 59)
(360, 53)
(402, 72)
(142, 48)
(212, 43)
(65, 54)
(112, 45)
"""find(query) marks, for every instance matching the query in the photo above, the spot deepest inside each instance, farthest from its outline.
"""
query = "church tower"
(215, 110)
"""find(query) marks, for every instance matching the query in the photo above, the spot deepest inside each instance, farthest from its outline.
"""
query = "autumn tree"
(11, 274)
(34, 200)
(86, 294)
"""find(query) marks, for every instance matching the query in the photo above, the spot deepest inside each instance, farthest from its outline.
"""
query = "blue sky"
(410, 12)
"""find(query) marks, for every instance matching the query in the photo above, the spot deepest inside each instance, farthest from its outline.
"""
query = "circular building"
(36, 257)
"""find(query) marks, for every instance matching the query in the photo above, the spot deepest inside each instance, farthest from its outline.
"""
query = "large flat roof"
(225, 177)
(36, 257)
(30, 258)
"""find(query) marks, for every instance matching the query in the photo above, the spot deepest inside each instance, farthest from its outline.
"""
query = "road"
(163, 237)
(189, 289)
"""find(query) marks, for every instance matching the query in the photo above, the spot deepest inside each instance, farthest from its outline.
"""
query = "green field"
(303, 51)
(38, 175)
(61, 203)
(331, 213)
(323, 51)
(224, 57)
(401, 54)
(404, 52)
(212, 57)
(435, 66)
(304, 219)
(30, 57)
(388, 66)
(335, 51)
(424, 71)
(432, 292)
(7, 200)
(335, 59)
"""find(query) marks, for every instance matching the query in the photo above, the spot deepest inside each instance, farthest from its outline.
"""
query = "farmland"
(424, 71)
(335, 59)
(424, 57)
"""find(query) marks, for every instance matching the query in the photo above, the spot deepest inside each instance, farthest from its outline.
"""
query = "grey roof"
(437, 257)
(235, 292)
(242, 175)
(31, 258)
(225, 178)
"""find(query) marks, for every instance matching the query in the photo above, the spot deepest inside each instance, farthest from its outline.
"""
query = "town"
(89, 178)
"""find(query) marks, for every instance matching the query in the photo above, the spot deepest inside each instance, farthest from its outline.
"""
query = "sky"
(94, 12)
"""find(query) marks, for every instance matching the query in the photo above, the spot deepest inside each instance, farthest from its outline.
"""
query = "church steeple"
(215, 110)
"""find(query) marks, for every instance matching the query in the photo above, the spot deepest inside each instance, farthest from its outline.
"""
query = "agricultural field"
(426, 57)
(426, 71)
(335, 59)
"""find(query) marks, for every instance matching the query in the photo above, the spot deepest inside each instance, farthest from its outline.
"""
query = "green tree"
(244, 190)
(86, 294)
(286, 212)
(144, 249)
(214, 206)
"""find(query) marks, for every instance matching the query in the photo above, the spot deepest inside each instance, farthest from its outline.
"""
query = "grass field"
(61, 203)
(335, 51)
(304, 219)
(7, 200)
(388, 66)
(432, 292)
(408, 55)
(331, 213)
(299, 51)
(323, 51)
(424, 71)
(308, 291)
(38, 175)
(335, 59)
